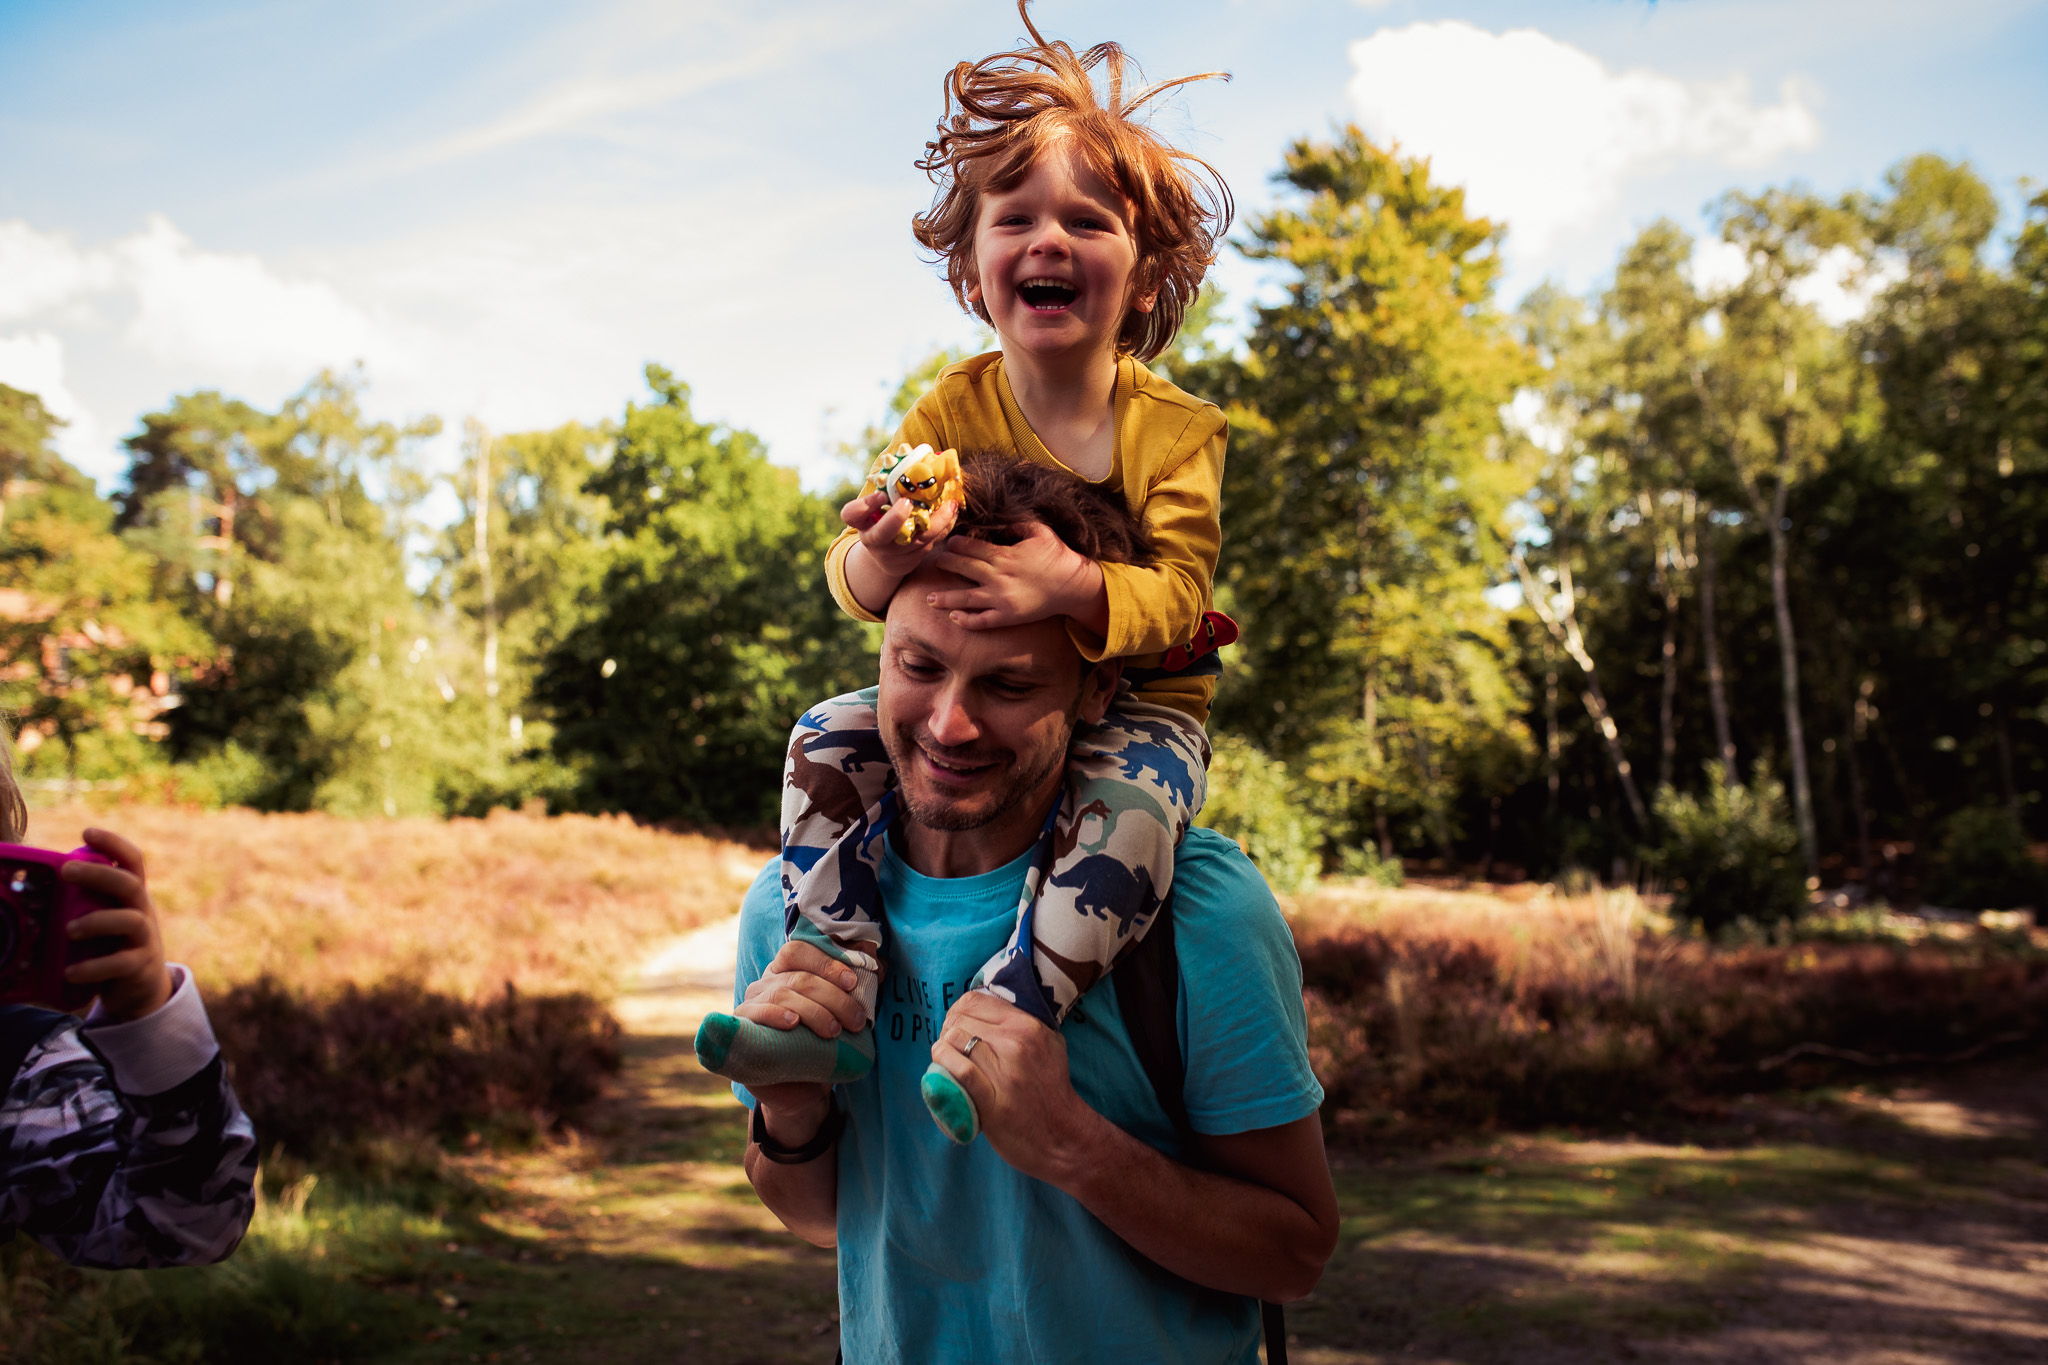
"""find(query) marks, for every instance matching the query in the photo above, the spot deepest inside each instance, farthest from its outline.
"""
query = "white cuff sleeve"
(159, 1051)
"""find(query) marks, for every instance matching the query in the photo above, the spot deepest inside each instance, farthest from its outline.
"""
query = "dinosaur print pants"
(1102, 865)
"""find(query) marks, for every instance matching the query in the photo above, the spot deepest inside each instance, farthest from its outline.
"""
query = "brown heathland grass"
(1433, 1011)
(460, 907)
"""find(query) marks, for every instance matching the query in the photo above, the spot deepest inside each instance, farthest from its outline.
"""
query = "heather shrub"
(1415, 1033)
(1252, 800)
(1730, 854)
(323, 1075)
(1983, 863)
(556, 903)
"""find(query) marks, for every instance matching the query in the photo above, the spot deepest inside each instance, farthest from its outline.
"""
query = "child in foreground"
(121, 1144)
(1081, 238)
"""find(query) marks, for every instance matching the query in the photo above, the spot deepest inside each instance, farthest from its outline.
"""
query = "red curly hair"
(1001, 114)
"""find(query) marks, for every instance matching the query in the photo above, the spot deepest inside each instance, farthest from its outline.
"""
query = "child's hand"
(133, 980)
(878, 523)
(1036, 578)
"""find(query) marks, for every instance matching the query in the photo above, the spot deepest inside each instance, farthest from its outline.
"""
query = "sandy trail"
(681, 981)
(666, 1253)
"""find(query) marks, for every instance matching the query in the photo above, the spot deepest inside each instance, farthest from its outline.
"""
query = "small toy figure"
(927, 477)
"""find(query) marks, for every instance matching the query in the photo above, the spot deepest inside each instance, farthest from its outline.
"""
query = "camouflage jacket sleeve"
(122, 1145)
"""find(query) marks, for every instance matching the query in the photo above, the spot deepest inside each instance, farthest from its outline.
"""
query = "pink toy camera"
(35, 907)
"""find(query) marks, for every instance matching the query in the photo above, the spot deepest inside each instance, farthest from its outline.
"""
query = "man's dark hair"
(1004, 492)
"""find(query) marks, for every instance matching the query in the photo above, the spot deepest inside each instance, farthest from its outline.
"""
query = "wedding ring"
(972, 1043)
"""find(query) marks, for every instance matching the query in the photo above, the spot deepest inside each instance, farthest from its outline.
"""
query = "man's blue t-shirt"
(947, 1253)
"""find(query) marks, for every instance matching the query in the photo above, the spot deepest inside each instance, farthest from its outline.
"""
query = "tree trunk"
(1667, 735)
(2012, 791)
(1564, 628)
(1856, 798)
(224, 586)
(483, 568)
(1717, 691)
(1788, 659)
(1433, 809)
(1551, 746)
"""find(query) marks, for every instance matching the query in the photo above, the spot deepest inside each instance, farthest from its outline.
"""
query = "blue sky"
(504, 210)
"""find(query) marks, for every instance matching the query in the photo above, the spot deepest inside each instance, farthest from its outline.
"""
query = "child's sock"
(951, 1106)
(752, 1054)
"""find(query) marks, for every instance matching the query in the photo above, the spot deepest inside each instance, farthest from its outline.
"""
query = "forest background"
(1675, 580)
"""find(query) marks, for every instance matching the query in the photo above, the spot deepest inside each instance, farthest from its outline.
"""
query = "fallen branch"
(1843, 1054)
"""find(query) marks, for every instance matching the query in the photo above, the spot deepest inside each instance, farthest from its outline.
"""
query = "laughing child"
(1081, 238)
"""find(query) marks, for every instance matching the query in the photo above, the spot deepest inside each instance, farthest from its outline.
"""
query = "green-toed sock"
(754, 1054)
(952, 1108)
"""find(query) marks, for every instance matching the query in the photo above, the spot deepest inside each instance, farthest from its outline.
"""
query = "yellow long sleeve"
(1167, 466)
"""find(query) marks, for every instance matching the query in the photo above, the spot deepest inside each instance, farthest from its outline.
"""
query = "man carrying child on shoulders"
(1084, 1227)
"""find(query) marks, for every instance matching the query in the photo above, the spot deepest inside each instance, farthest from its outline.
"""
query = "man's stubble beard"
(950, 817)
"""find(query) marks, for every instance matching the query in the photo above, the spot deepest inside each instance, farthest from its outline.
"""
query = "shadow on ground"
(1853, 1227)
(1849, 1228)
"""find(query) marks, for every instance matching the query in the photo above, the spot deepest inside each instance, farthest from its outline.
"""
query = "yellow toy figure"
(927, 477)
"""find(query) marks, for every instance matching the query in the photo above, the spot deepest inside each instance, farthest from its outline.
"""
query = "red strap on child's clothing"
(1214, 631)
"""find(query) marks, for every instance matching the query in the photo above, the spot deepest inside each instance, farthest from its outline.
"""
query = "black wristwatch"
(820, 1143)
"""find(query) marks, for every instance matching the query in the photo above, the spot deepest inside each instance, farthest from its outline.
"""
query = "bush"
(1365, 861)
(1252, 800)
(323, 1077)
(1730, 855)
(1414, 1036)
(1984, 863)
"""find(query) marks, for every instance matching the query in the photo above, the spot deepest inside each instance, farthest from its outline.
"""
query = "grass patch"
(1539, 1249)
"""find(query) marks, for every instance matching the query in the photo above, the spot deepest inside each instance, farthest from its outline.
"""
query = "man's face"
(977, 722)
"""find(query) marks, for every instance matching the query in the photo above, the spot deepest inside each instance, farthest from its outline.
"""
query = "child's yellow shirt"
(1168, 465)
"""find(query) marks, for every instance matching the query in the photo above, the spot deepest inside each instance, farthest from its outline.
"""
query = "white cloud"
(1716, 265)
(34, 363)
(522, 322)
(1841, 286)
(190, 316)
(230, 315)
(234, 317)
(1542, 134)
(40, 271)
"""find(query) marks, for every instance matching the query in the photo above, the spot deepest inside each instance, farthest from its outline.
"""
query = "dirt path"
(656, 1249)
(1870, 1227)
(1866, 1228)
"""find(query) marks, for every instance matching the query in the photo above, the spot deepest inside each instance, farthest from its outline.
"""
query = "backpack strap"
(21, 1028)
(1148, 996)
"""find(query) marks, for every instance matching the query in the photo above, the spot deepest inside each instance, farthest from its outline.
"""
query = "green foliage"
(1731, 854)
(1365, 861)
(1863, 504)
(282, 536)
(541, 554)
(708, 630)
(1984, 863)
(1253, 800)
(1364, 492)
(85, 633)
